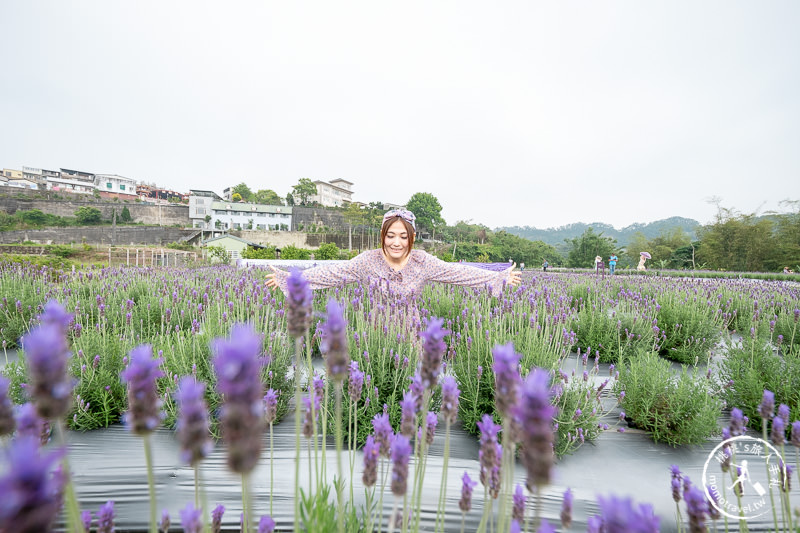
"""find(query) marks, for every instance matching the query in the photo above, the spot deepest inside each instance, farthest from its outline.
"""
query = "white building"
(226, 216)
(336, 193)
(200, 207)
(114, 186)
(70, 185)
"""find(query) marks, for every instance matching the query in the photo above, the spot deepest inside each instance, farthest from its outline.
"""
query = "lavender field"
(453, 411)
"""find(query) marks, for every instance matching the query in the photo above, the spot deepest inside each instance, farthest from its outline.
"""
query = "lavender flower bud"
(409, 414)
(191, 519)
(696, 508)
(535, 416)
(371, 454)
(783, 412)
(334, 342)
(467, 485)
(490, 453)
(713, 504)
(566, 509)
(30, 425)
(163, 526)
(796, 434)
(619, 514)
(6, 410)
(506, 378)
(737, 422)
(401, 452)
(238, 368)
(55, 314)
(105, 518)
(216, 518)
(778, 433)
(383, 433)
(266, 524)
(298, 304)
(270, 406)
(46, 352)
(309, 423)
(786, 472)
(192, 426)
(767, 406)
(31, 493)
(356, 382)
(430, 427)
(86, 521)
(450, 397)
(518, 505)
(144, 414)
(433, 349)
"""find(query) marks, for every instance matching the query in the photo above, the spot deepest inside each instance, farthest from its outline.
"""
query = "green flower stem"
(297, 421)
(771, 495)
(271, 468)
(339, 486)
(72, 507)
(151, 484)
(443, 487)
(247, 504)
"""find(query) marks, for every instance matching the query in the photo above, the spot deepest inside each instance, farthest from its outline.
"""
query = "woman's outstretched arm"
(323, 276)
(470, 276)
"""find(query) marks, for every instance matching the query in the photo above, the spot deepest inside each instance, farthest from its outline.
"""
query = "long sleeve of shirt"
(465, 275)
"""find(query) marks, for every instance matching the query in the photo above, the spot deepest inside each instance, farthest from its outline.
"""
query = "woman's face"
(396, 241)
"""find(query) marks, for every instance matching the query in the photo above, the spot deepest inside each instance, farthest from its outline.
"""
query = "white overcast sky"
(510, 113)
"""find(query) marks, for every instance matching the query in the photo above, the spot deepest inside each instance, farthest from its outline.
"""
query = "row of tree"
(299, 195)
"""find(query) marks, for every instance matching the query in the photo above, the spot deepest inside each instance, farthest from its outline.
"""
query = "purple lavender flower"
(238, 368)
(144, 407)
(216, 518)
(192, 426)
(506, 378)
(713, 503)
(47, 354)
(566, 509)
(266, 524)
(796, 433)
(697, 509)
(105, 518)
(778, 433)
(535, 415)
(6, 410)
(334, 342)
(309, 423)
(737, 422)
(383, 433)
(191, 519)
(467, 485)
(619, 514)
(356, 382)
(371, 454)
(54, 313)
(783, 412)
(490, 453)
(450, 396)
(401, 452)
(594, 524)
(29, 424)
(298, 304)
(430, 426)
(271, 406)
(409, 414)
(433, 349)
(518, 505)
(163, 526)
(544, 527)
(86, 521)
(767, 406)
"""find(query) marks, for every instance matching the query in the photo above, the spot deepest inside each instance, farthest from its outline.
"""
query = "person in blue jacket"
(612, 263)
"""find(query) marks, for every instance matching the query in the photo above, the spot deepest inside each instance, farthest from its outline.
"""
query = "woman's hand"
(272, 279)
(514, 277)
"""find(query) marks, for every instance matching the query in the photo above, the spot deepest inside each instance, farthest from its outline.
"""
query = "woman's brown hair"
(409, 230)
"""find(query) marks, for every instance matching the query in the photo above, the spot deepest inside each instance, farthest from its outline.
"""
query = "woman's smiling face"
(396, 241)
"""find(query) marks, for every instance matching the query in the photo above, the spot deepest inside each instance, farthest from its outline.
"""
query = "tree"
(584, 248)
(245, 194)
(267, 197)
(125, 216)
(327, 251)
(354, 216)
(88, 216)
(304, 189)
(289, 199)
(236, 197)
(427, 209)
(34, 217)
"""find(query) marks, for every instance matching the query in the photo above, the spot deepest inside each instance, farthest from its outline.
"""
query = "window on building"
(121, 187)
(108, 185)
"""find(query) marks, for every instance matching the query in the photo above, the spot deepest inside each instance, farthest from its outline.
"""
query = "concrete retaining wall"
(122, 235)
(162, 215)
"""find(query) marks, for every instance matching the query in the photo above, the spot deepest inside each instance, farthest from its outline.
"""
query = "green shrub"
(613, 335)
(251, 252)
(293, 252)
(327, 251)
(61, 251)
(690, 327)
(675, 409)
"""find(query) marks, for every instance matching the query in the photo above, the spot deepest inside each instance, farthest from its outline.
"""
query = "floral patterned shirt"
(420, 269)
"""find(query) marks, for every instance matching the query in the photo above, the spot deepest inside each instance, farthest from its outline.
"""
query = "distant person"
(545, 265)
(787, 270)
(522, 267)
(612, 263)
(598, 265)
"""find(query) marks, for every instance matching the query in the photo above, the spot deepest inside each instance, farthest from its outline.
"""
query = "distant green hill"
(556, 236)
